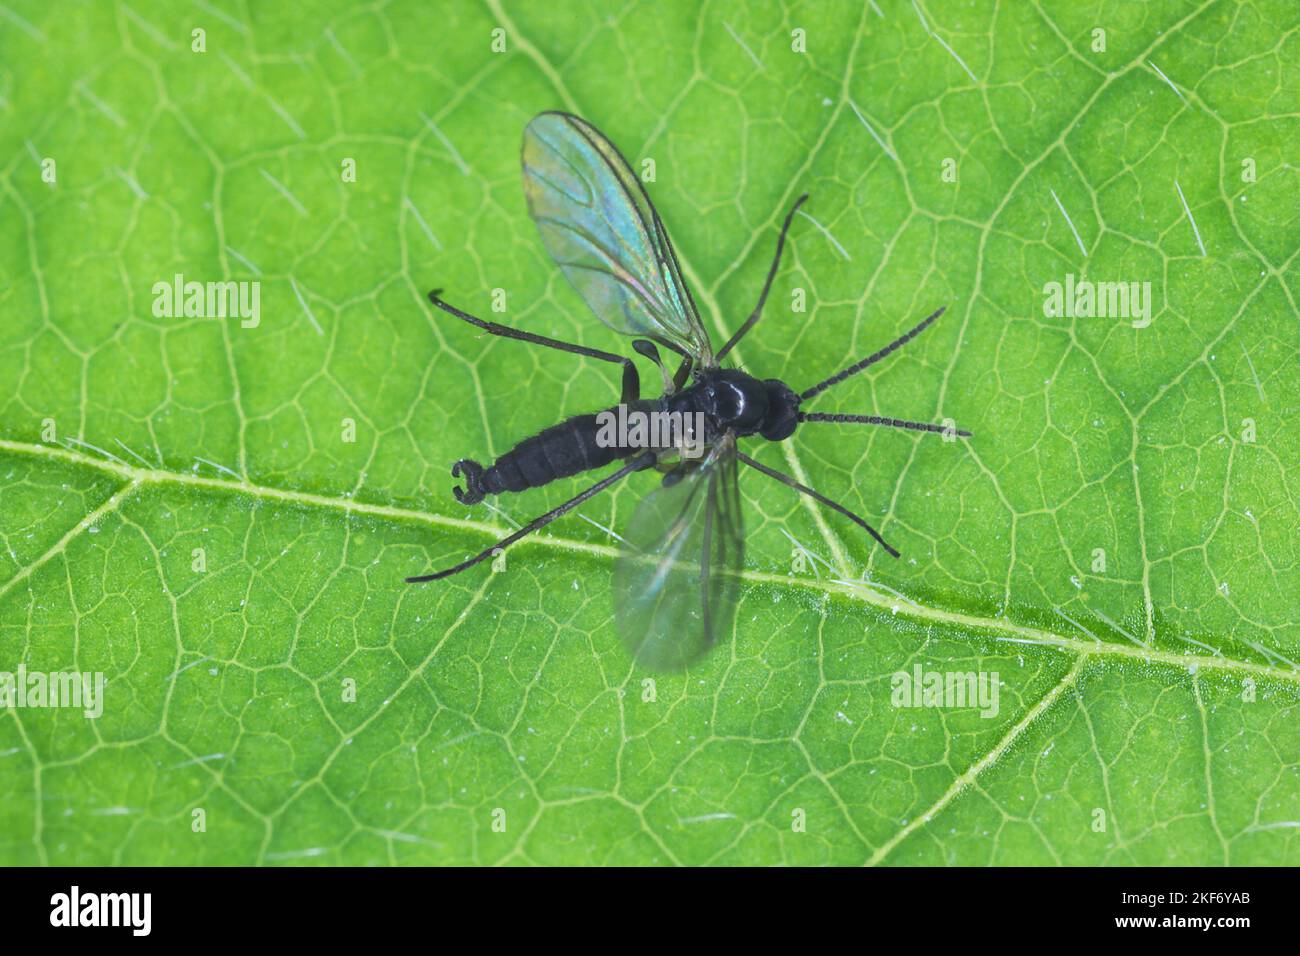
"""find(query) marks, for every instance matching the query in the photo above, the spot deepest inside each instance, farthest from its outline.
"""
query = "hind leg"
(636, 464)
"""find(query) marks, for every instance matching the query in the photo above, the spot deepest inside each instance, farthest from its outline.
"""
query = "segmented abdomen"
(558, 452)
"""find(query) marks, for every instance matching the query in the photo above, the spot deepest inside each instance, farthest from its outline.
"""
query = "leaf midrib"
(1002, 629)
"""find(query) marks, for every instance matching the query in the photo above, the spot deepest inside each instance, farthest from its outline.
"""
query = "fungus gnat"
(676, 583)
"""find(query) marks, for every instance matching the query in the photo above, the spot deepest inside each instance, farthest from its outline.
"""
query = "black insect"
(676, 584)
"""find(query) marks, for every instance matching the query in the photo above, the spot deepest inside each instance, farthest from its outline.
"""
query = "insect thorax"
(734, 400)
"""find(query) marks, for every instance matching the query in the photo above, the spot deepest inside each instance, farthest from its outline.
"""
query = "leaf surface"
(317, 710)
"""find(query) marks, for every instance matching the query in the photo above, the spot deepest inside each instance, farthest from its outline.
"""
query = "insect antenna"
(880, 420)
(874, 358)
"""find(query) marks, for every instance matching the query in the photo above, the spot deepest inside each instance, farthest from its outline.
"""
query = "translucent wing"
(675, 586)
(599, 226)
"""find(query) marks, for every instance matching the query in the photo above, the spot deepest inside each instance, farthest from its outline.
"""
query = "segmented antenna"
(873, 359)
(880, 420)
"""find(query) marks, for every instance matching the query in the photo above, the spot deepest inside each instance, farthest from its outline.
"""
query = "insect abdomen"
(558, 452)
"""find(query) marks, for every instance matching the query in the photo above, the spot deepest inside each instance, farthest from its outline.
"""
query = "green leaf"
(182, 512)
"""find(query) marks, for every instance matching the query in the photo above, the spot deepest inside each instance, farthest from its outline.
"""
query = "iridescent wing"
(676, 583)
(599, 226)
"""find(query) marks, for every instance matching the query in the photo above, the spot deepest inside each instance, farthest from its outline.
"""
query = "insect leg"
(642, 461)
(804, 489)
(631, 380)
(767, 285)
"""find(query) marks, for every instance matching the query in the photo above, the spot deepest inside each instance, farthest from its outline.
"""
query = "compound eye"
(780, 427)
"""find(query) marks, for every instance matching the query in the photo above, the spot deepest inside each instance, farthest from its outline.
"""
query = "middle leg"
(631, 380)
